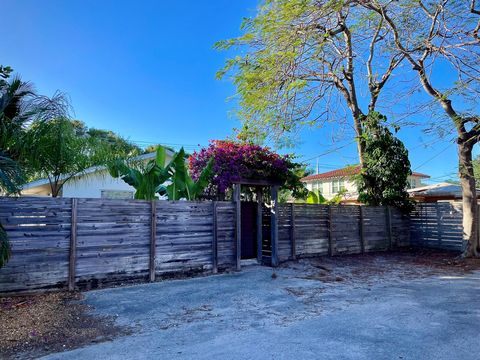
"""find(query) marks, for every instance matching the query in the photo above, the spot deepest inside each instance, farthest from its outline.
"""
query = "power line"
(433, 157)
(329, 151)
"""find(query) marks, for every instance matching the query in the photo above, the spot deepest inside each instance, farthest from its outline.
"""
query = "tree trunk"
(357, 120)
(55, 187)
(469, 199)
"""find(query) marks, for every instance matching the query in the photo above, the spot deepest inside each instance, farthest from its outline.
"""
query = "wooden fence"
(437, 225)
(63, 242)
(58, 243)
(310, 230)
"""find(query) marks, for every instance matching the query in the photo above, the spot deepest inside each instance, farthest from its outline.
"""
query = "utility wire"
(433, 157)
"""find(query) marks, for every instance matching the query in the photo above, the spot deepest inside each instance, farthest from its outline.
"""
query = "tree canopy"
(304, 62)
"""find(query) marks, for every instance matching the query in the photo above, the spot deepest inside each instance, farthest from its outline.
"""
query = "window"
(317, 187)
(338, 185)
(412, 183)
(116, 194)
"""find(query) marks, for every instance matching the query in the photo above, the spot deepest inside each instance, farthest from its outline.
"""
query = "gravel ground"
(418, 304)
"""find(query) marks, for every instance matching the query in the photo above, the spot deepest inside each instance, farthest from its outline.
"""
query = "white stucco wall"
(91, 186)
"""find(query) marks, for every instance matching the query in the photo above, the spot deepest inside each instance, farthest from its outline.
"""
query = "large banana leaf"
(147, 182)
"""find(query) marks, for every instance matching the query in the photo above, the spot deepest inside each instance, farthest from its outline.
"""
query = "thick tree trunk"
(357, 119)
(469, 199)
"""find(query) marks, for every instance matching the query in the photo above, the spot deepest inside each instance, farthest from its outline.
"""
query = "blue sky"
(146, 70)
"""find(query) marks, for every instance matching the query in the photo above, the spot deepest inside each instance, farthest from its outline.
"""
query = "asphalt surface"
(252, 315)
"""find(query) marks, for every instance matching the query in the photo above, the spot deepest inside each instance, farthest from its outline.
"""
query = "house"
(332, 182)
(438, 192)
(94, 182)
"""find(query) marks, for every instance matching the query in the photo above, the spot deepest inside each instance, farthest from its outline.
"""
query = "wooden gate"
(249, 230)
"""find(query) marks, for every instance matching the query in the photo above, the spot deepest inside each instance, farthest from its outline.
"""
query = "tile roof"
(345, 172)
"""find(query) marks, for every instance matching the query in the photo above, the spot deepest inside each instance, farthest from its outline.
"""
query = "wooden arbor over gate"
(259, 185)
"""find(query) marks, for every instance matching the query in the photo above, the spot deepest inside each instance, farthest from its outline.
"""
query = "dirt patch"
(373, 267)
(36, 325)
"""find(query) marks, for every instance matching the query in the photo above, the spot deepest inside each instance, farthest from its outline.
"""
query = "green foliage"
(147, 181)
(384, 176)
(182, 185)
(153, 148)
(315, 197)
(55, 151)
(293, 188)
(292, 66)
(11, 176)
(157, 177)
(476, 168)
(116, 145)
(19, 105)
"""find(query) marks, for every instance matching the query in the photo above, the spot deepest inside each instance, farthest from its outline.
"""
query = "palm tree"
(19, 106)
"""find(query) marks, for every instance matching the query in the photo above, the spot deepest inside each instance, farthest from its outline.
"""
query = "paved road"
(250, 315)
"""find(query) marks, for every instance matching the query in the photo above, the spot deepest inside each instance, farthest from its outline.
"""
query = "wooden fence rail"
(437, 225)
(66, 243)
(312, 230)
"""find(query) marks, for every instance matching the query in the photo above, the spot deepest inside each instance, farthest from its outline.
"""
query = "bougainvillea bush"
(233, 161)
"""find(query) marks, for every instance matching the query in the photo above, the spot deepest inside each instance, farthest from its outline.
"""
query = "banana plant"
(147, 182)
(315, 197)
(172, 179)
(182, 185)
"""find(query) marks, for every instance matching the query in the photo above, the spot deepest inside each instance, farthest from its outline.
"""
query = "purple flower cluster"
(234, 161)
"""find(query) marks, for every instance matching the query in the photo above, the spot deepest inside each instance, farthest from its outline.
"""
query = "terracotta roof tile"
(345, 172)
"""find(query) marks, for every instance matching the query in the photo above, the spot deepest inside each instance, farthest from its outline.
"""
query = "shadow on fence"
(61, 242)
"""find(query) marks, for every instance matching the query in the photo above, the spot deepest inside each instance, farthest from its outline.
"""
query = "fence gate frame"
(259, 186)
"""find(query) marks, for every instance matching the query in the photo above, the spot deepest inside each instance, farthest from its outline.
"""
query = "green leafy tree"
(439, 40)
(117, 145)
(383, 179)
(55, 151)
(301, 62)
(294, 189)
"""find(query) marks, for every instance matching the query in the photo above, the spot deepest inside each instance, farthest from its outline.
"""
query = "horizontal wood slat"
(112, 240)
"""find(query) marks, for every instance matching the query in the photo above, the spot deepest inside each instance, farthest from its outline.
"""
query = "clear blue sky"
(146, 71)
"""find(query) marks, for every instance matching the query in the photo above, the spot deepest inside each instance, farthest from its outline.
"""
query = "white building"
(332, 182)
(94, 182)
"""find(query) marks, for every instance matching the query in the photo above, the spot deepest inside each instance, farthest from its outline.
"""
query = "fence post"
(214, 238)
(153, 238)
(388, 223)
(259, 224)
(292, 231)
(274, 225)
(330, 230)
(238, 228)
(73, 246)
(439, 224)
(362, 229)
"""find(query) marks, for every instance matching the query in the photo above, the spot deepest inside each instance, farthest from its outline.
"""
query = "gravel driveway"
(371, 307)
